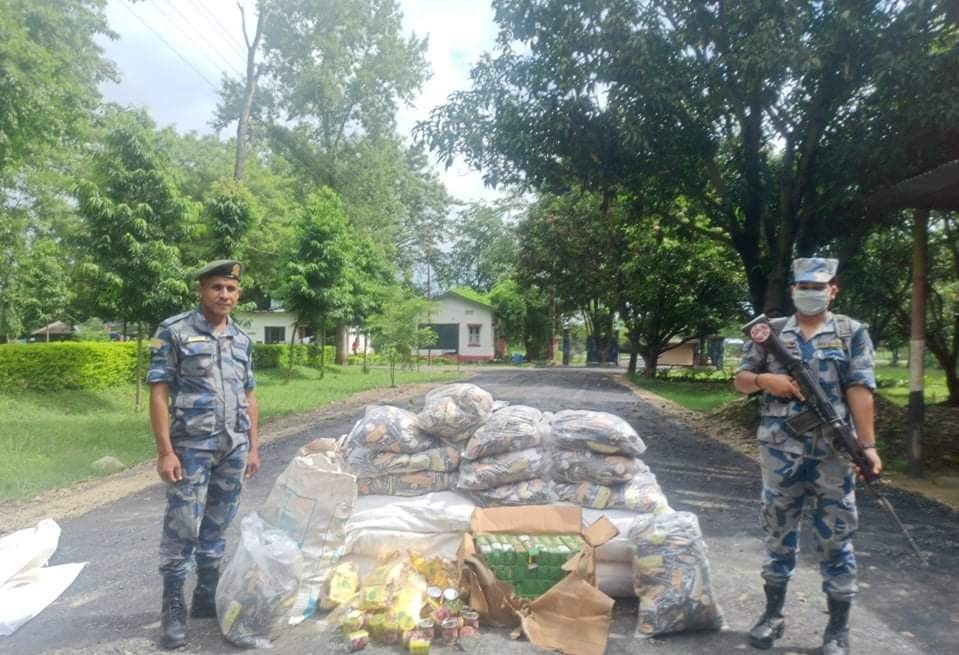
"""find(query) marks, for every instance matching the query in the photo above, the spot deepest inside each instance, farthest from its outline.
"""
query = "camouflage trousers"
(201, 506)
(788, 480)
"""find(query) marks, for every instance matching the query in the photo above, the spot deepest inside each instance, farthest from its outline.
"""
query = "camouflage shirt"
(208, 375)
(835, 369)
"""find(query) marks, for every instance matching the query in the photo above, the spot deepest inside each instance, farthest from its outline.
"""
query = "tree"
(230, 210)
(397, 334)
(510, 307)
(134, 214)
(51, 65)
(483, 251)
(317, 290)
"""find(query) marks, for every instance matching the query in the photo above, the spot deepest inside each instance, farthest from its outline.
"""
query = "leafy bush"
(277, 355)
(67, 365)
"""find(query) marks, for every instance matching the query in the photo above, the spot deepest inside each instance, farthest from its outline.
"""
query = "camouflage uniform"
(795, 468)
(209, 376)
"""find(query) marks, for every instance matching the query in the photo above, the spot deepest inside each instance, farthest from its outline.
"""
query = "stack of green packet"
(531, 563)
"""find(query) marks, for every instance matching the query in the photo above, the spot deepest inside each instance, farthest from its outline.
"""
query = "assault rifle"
(820, 412)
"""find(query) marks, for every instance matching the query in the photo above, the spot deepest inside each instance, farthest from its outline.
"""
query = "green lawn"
(934, 383)
(701, 396)
(49, 440)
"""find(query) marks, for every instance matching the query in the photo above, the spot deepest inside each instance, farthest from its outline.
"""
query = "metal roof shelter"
(937, 189)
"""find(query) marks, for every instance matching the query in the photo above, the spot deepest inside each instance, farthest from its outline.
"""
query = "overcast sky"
(170, 54)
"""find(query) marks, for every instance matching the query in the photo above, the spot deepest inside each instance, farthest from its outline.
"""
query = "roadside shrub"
(708, 375)
(267, 355)
(67, 365)
(277, 355)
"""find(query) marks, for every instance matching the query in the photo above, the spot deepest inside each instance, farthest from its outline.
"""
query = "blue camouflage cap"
(814, 269)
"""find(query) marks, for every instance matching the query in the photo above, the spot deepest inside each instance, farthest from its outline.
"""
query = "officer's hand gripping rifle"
(820, 412)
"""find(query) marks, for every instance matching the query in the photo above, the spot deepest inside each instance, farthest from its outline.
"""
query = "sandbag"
(512, 428)
(585, 465)
(364, 462)
(453, 411)
(642, 495)
(258, 585)
(497, 470)
(406, 484)
(598, 431)
(526, 492)
(671, 576)
(311, 501)
(385, 428)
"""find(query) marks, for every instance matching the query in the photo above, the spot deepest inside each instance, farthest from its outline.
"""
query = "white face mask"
(811, 301)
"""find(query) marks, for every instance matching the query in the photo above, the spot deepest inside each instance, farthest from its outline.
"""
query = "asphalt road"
(902, 609)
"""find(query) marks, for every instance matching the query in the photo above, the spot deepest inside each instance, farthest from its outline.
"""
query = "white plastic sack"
(618, 549)
(258, 585)
(453, 411)
(27, 594)
(27, 549)
(615, 579)
(311, 501)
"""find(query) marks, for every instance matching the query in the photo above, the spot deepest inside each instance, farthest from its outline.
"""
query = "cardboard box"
(573, 616)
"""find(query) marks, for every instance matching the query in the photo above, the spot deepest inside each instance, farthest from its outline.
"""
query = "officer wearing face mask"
(796, 467)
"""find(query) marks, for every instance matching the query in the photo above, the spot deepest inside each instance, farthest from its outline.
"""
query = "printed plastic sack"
(512, 428)
(671, 576)
(642, 494)
(312, 500)
(598, 431)
(588, 466)
(385, 428)
(406, 484)
(453, 411)
(258, 586)
(367, 463)
(526, 492)
(497, 470)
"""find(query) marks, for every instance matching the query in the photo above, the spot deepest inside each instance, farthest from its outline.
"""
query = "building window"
(474, 335)
(468, 312)
(274, 335)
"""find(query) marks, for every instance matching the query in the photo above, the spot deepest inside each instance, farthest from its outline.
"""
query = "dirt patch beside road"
(80, 498)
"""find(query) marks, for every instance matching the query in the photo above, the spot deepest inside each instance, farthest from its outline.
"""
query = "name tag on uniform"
(835, 344)
(197, 338)
(155, 344)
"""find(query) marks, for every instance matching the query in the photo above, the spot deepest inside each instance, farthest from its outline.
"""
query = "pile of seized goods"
(417, 527)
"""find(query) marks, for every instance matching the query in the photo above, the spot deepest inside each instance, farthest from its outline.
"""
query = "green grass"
(700, 396)
(934, 384)
(49, 440)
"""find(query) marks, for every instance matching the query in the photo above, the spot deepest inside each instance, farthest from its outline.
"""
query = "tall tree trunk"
(292, 358)
(342, 343)
(252, 74)
(633, 351)
(366, 341)
(650, 358)
(139, 366)
(322, 349)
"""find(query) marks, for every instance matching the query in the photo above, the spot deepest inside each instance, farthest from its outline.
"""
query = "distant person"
(356, 344)
(796, 466)
(201, 374)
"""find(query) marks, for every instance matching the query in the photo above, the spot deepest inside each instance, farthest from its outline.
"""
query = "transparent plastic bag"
(527, 492)
(588, 466)
(368, 463)
(497, 470)
(385, 428)
(600, 432)
(258, 586)
(671, 576)
(512, 428)
(453, 411)
(406, 484)
(642, 494)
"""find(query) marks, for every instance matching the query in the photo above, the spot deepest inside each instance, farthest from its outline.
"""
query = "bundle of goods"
(410, 601)
(258, 585)
(532, 564)
(506, 465)
(614, 559)
(312, 501)
(454, 411)
(391, 456)
(596, 464)
(671, 576)
(432, 524)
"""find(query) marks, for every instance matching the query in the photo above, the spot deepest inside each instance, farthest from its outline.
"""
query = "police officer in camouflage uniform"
(795, 467)
(203, 413)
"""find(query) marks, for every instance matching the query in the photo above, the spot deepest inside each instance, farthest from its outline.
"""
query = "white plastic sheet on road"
(27, 585)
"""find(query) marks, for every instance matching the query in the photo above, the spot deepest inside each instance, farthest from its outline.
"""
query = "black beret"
(221, 268)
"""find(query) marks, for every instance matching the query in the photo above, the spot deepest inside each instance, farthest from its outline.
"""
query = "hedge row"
(66, 365)
(682, 374)
(96, 365)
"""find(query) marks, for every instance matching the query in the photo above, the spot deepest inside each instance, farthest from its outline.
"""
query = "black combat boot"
(771, 624)
(173, 622)
(835, 640)
(204, 596)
